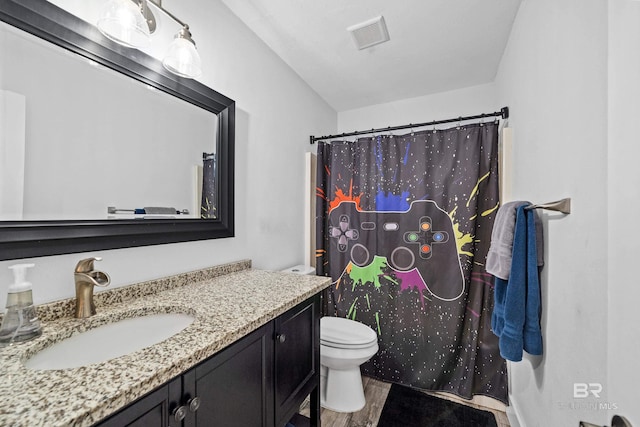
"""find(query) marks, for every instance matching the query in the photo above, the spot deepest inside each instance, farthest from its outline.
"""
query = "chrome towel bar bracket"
(563, 206)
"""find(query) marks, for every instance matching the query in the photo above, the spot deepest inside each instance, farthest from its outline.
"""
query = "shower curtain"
(209, 188)
(403, 228)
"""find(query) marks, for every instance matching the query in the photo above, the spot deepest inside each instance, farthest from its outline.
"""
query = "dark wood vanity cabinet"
(297, 361)
(235, 386)
(150, 410)
(259, 381)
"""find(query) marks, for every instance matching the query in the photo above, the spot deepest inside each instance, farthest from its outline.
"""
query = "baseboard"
(514, 416)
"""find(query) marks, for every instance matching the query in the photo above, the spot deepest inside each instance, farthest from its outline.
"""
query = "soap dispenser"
(20, 321)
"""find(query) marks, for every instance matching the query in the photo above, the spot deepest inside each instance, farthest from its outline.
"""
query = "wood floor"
(376, 393)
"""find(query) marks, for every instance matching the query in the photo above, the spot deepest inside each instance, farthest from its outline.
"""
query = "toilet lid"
(343, 333)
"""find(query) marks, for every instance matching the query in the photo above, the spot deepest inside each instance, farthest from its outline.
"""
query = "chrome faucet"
(86, 278)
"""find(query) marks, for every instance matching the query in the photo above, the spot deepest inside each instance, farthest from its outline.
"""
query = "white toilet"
(344, 346)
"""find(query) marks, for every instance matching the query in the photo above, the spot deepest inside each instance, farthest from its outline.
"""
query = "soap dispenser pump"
(20, 321)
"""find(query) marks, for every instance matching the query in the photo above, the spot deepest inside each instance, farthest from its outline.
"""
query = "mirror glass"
(80, 138)
(100, 146)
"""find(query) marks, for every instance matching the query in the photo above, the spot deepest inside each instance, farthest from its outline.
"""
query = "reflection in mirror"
(69, 157)
(87, 138)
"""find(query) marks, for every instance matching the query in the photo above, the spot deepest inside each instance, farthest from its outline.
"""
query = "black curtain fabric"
(209, 188)
(404, 225)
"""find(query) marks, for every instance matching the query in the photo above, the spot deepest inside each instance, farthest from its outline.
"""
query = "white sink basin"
(109, 341)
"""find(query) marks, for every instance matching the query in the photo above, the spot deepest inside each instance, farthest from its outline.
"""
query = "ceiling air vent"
(369, 33)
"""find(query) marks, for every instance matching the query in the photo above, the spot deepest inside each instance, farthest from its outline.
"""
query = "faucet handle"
(86, 265)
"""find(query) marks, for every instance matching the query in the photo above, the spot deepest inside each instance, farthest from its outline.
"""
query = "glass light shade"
(123, 22)
(183, 59)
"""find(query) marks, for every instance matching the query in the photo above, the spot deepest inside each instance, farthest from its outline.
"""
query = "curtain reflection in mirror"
(209, 193)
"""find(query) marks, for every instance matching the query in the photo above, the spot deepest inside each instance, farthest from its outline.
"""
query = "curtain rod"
(504, 113)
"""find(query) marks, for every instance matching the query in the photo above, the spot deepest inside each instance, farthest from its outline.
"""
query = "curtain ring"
(411, 126)
(434, 127)
(459, 122)
(482, 120)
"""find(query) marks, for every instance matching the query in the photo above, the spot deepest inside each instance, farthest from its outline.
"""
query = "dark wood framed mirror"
(33, 238)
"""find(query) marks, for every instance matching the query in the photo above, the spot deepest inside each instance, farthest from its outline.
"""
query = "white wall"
(275, 114)
(624, 199)
(553, 76)
(463, 102)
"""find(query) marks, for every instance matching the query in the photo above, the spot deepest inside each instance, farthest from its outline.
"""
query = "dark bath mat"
(410, 408)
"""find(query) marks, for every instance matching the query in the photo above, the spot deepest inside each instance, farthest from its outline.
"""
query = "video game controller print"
(420, 238)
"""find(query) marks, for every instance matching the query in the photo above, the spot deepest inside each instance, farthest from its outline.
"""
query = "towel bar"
(563, 206)
(149, 210)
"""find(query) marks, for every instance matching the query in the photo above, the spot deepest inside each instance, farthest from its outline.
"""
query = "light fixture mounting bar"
(158, 5)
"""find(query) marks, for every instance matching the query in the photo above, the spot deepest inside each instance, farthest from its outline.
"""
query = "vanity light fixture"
(131, 23)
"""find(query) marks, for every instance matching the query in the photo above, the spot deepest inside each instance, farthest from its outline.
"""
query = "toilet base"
(341, 390)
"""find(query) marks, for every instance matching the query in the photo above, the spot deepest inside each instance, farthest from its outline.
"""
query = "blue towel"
(516, 313)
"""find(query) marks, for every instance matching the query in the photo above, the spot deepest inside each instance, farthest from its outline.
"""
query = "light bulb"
(182, 58)
(122, 21)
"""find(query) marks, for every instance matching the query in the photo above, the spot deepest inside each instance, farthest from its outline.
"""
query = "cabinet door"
(234, 386)
(151, 410)
(297, 353)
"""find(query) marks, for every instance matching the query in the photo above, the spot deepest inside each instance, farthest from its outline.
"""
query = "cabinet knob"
(194, 404)
(179, 413)
(281, 338)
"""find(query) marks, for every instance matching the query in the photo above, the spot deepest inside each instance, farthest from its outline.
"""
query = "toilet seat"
(343, 333)
(346, 346)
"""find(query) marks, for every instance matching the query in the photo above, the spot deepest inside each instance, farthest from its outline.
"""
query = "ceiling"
(435, 46)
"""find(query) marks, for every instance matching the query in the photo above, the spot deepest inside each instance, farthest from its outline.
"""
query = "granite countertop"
(227, 301)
